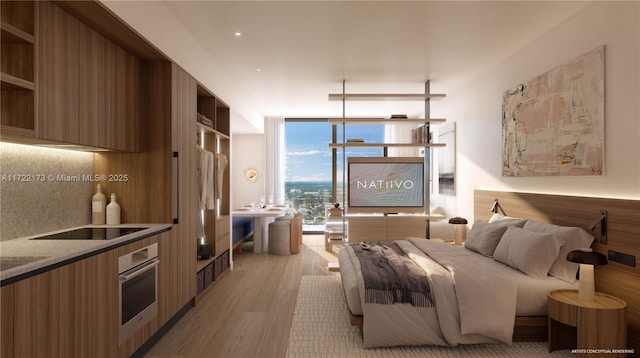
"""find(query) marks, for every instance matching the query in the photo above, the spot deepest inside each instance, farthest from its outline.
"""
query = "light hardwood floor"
(248, 312)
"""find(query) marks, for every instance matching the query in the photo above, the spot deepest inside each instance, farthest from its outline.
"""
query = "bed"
(463, 307)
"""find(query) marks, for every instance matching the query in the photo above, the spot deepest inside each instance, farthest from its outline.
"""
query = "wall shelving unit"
(427, 96)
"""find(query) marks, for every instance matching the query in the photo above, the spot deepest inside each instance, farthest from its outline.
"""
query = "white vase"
(98, 207)
(113, 211)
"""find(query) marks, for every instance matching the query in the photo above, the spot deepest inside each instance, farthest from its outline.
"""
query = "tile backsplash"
(43, 189)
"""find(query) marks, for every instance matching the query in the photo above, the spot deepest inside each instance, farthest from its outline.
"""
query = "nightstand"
(587, 326)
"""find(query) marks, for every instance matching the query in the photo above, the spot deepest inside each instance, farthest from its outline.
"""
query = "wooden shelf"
(206, 129)
(12, 34)
(384, 96)
(9, 132)
(10, 82)
(384, 120)
(201, 264)
(378, 145)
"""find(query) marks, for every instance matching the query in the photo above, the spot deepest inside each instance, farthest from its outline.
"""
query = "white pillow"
(484, 237)
(507, 220)
(571, 238)
(528, 251)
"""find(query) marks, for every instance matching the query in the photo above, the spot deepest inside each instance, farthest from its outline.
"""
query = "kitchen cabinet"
(183, 142)
(96, 309)
(6, 323)
(122, 101)
(87, 86)
(70, 311)
(57, 105)
(17, 41)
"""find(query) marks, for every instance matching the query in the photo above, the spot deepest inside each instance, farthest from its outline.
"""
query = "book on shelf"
(355, 140)
(421, 134)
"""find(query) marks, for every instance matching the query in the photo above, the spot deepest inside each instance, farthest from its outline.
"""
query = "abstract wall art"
(553, 124)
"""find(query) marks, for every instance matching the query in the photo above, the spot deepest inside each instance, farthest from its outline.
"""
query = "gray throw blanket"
(390, 276)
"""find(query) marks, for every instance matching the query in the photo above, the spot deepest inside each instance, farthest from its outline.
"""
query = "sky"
(308, 156)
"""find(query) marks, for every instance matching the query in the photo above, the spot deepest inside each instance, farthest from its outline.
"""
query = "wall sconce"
(460, 229)
(587, 258)
(496, 207)
(603, 226)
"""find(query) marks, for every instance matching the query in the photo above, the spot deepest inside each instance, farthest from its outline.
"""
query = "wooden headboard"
(623, 235)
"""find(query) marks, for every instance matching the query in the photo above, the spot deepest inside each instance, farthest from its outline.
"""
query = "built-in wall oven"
(138, 276)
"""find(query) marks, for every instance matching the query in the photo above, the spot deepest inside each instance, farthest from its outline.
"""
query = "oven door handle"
(140, 270)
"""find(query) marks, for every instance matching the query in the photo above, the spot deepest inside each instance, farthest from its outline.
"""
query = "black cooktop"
(91, 234)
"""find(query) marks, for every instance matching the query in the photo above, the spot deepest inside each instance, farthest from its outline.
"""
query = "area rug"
(321, 328)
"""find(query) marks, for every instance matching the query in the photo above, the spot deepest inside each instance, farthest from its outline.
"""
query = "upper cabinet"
(88, 87)
(65, 83)
(17, 39)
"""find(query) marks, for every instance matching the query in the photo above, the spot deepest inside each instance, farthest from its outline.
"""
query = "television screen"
(386, 185)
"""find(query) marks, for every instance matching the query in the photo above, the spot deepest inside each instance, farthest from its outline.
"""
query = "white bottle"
(113, 211)
(98, 205)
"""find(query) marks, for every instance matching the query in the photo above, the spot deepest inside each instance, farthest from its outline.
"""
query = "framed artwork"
(447, 159)
(553, 124)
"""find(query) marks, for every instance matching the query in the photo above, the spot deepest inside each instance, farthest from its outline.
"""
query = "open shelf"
(379, 145)
(10, 82)
(206, 129)
(12, 34)
(384, 96)
(384, 120)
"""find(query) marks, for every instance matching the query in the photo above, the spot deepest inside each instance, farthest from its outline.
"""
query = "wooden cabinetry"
(70, 311)
(17, 40)
(96, 318)
(88, 87)
(214, 139)
(386, 228)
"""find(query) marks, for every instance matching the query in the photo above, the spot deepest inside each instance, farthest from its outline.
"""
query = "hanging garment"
(206, 180)
(221, 164)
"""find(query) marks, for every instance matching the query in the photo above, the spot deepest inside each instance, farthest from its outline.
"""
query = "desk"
(260, 229)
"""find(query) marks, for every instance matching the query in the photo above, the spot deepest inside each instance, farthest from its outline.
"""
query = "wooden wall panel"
(623, 235)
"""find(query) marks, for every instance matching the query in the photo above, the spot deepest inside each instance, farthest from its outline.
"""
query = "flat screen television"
(385, 185)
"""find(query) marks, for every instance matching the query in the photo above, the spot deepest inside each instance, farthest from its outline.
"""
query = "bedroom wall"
(476, 108)
(248, 152)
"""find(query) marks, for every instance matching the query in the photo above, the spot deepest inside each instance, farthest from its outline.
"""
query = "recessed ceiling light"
(258, 70)
(238, 34)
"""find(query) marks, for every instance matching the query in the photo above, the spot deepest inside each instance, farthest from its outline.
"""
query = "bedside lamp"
(587, 258)
(460, 229)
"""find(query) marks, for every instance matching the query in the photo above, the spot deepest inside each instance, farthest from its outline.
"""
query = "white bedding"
(467, 308)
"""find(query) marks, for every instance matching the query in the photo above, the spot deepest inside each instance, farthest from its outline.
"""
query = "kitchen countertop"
(43, 254)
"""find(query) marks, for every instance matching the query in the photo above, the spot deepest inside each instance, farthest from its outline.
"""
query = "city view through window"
(308, 165)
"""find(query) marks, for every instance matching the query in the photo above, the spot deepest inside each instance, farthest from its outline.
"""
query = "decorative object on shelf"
(569, 134)
(460, 229)
(587, 258)
(251, 175)
(113, 211)
(355, 140)
(205, 121)
(421, 134)
(98, 207)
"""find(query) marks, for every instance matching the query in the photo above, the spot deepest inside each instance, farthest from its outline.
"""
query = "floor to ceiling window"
(310, 168)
